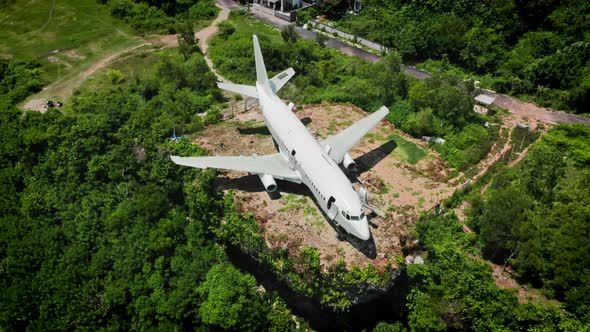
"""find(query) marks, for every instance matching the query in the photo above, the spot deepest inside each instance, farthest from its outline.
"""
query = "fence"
(365, 42)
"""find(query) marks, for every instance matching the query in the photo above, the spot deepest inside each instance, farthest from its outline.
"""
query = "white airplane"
(301, 158)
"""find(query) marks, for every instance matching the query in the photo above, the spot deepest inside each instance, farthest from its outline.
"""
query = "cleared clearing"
(402, 175)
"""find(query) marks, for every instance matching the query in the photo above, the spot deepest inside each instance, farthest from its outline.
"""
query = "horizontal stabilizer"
(274, 164)
(241, 89)
(277, 82)
(342, 142)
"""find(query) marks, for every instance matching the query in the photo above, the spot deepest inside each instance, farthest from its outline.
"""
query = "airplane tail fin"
(261, 76)
(275, 83)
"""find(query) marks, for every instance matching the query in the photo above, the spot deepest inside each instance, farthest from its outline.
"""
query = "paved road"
(311, 35)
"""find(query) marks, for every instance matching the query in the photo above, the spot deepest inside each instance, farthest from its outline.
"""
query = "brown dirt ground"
(293, 220)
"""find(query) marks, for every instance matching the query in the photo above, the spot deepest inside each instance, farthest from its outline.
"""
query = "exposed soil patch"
(36, 105)
(292, 220)
(72, 54)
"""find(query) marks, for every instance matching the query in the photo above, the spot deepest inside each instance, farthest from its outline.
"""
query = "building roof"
(485, 99)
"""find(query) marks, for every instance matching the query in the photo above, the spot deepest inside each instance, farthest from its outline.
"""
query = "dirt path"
(66, 85)
(205, 34)
(49, 18)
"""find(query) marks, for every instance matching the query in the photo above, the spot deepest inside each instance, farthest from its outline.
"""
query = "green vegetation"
(323, 74)
(64, 36)
(454, 290)
(131, 67)
(535, 49)
(99, 230)
(535, 217)
(406, 150)
(18, 79)
(161, 15)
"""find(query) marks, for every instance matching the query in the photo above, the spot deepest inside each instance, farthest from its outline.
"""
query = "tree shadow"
(254, 131)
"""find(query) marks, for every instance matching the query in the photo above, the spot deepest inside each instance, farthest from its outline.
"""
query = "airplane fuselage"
(331, 188)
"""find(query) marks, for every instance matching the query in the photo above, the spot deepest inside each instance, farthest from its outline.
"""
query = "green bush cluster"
(100, 230)
(160, 15)
(536, 49)
(454, 290)
(18, 79)
(534, 217)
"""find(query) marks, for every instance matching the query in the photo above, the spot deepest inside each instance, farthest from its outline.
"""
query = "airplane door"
(332, 209)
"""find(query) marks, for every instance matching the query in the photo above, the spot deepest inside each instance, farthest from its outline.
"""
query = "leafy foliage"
(231, 300)
(454, 290)
(18, 79)
(161, 15)
(99, 230)
(534, 48)
(535, 216)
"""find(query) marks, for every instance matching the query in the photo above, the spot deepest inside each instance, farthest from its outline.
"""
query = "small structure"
(433, 139)
(283, 9)
(484, 100)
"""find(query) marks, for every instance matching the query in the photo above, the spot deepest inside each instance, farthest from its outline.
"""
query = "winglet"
(261, 76)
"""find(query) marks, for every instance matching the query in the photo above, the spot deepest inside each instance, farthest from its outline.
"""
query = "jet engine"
(348, 163)
(268, 182)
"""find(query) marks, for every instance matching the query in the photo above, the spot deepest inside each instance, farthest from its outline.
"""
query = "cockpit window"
(349, 217)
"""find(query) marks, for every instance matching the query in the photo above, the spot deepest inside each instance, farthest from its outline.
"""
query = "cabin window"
(293, 153)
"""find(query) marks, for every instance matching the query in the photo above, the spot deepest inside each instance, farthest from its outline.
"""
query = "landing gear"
(364, 196)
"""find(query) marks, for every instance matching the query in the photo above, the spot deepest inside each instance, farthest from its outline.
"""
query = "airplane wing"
(342, 142)
(273, 164)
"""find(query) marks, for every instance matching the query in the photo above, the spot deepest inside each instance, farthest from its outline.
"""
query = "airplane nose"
(363, 232)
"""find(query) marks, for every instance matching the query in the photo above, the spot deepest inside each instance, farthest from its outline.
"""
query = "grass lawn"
(66, 35)
(138, 63)
(407, 151)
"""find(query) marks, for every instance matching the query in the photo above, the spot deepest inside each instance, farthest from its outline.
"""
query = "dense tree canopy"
(160, 15)
(98, 229)
(536, 216)
(537, 48)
